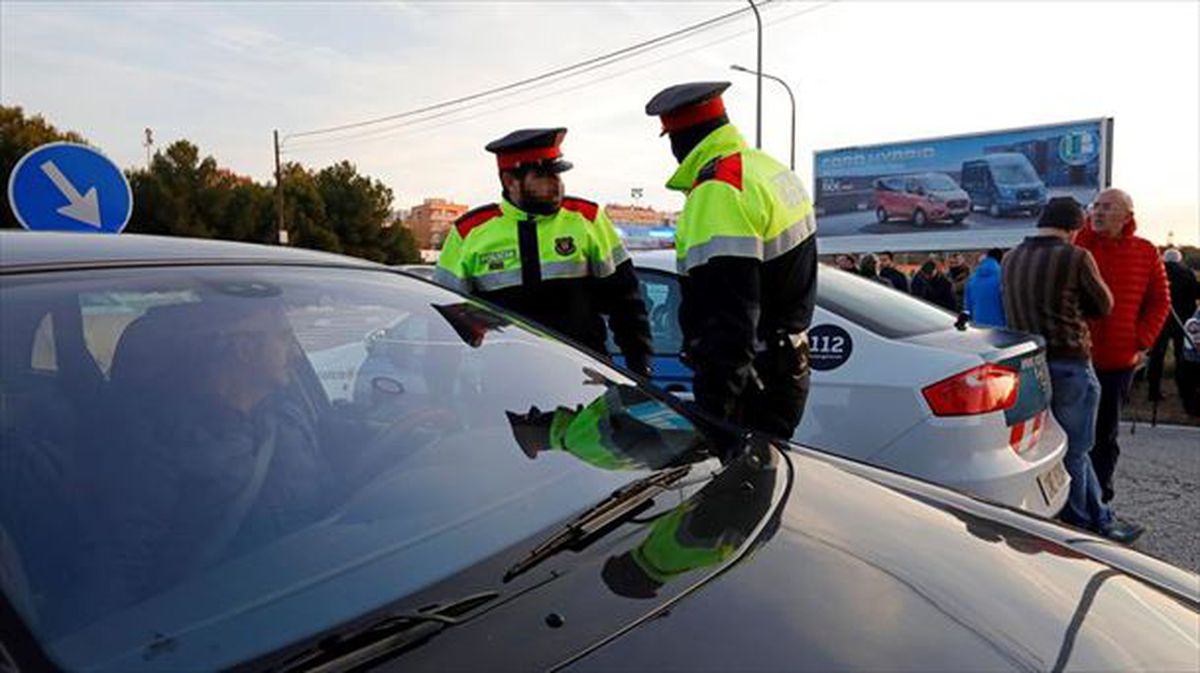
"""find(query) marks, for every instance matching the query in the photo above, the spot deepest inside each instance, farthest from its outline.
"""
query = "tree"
(183, 193)
(19, 135)
(356, 210)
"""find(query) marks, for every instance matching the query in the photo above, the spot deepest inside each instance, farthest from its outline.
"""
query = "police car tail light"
(980, 390)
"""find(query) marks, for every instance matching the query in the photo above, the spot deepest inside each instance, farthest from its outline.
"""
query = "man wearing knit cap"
(552, 258)
(746, 249)
(1049, 268)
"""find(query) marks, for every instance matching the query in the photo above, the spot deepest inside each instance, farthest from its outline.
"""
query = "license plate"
(1051, 482)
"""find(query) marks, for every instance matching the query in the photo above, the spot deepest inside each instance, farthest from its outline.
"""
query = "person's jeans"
(1114, 390)
(1075, 397)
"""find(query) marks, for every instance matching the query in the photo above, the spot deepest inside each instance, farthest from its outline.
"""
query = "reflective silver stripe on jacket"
(498, 280)
(748, 246)
(721, 246)
(554, 270)
(794, 235)
(443, 277)
(619, 255)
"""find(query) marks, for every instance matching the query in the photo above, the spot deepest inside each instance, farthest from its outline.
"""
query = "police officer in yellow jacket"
(554, 259)
(746, 249)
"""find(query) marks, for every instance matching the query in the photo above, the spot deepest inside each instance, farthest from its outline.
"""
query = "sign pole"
(280, 231)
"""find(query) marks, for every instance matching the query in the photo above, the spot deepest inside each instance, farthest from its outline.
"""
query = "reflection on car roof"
(21, 249)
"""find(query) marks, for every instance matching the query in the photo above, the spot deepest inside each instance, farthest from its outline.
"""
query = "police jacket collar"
(517, 214)
(722, 142)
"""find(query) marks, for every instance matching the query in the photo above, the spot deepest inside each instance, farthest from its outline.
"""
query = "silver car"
(897, 384)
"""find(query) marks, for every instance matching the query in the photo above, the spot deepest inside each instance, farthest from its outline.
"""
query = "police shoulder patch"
(475, 217)
(589, 209)
(722, 169)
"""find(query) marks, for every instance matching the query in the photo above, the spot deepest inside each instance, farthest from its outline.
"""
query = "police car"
(182, 489)
(895, 383)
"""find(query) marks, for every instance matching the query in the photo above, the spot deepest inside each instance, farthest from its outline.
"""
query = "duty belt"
(782, 339)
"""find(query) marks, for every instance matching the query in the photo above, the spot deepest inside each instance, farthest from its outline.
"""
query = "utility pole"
(758, 114)
(148, 142)
(280, 231)
(792, 163)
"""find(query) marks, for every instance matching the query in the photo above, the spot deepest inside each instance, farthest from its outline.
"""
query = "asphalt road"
(1158, 485)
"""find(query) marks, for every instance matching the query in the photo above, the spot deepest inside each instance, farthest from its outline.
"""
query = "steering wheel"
(405, 433)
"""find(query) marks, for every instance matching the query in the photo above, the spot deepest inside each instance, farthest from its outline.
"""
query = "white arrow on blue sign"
(69, 187)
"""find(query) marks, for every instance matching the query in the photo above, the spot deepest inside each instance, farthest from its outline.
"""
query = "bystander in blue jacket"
(983, 301)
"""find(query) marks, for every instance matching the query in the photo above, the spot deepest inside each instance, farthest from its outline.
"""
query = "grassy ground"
(1170, 410)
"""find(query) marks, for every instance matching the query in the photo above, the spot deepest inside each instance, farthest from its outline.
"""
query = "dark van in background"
(1004, 183)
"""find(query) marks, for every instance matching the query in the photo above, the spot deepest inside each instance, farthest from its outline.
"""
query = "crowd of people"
(947, 281)
(1109, 307)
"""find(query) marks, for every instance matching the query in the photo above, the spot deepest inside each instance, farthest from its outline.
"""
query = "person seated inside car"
(222, 457)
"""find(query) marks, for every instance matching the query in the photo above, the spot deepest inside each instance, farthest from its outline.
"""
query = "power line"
(404, 129)
(529, 80)
(380, 132)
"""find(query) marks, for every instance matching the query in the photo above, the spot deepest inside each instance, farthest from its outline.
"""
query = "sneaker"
(1125, 532)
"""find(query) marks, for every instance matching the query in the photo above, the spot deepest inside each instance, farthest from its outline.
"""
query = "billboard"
(960, 192)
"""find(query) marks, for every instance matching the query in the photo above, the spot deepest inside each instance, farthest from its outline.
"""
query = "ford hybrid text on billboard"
(962, 192)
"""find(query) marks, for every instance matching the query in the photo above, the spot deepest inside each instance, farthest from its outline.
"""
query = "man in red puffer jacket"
(1132, 270)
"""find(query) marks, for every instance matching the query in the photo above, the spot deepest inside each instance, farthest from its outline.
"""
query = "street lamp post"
(792, 162)
(758, 112)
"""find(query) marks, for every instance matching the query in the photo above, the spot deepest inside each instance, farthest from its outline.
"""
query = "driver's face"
(267, 346)
(277, 348)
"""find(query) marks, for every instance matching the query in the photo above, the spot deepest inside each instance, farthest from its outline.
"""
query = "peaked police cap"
(530, 146)
(686, 105)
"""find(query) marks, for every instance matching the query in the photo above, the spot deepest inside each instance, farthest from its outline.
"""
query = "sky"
(226, 74)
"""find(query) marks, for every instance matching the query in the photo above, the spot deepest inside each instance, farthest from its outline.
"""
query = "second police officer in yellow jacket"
(555, 259)
(746, 251)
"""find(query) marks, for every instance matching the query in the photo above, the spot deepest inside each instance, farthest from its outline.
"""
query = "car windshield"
(938, 183)
(200, 465)
(878, 307)
(1014, 173)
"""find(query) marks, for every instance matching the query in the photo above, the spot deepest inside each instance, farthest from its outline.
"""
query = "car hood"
(889, 573)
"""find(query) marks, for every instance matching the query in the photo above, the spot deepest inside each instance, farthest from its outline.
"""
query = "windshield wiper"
(392, 632)
(628, 500)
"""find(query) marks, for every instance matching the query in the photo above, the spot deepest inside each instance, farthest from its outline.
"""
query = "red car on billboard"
(920, 198)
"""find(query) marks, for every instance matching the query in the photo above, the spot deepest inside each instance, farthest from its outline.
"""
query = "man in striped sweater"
(1133, 271)
(1051, 288)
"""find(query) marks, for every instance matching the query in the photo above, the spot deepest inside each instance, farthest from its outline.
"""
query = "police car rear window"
(877, 307)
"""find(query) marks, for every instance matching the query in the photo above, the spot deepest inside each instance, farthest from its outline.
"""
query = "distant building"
(638, 216)
(643, 228)
(430, 221)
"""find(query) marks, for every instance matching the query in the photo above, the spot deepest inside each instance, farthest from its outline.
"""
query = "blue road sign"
(69, 187)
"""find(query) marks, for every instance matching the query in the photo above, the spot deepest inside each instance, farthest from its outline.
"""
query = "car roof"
(21, 250)
(661, 259)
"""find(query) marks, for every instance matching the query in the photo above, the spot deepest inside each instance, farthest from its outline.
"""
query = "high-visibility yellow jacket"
(746, 246)
(564, 270)
(622, 429)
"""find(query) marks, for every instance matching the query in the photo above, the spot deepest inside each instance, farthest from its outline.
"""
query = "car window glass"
(281, 438)
(43, 358)
(878, 307)
(662, 295)
(939, 182)
(105, 316)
